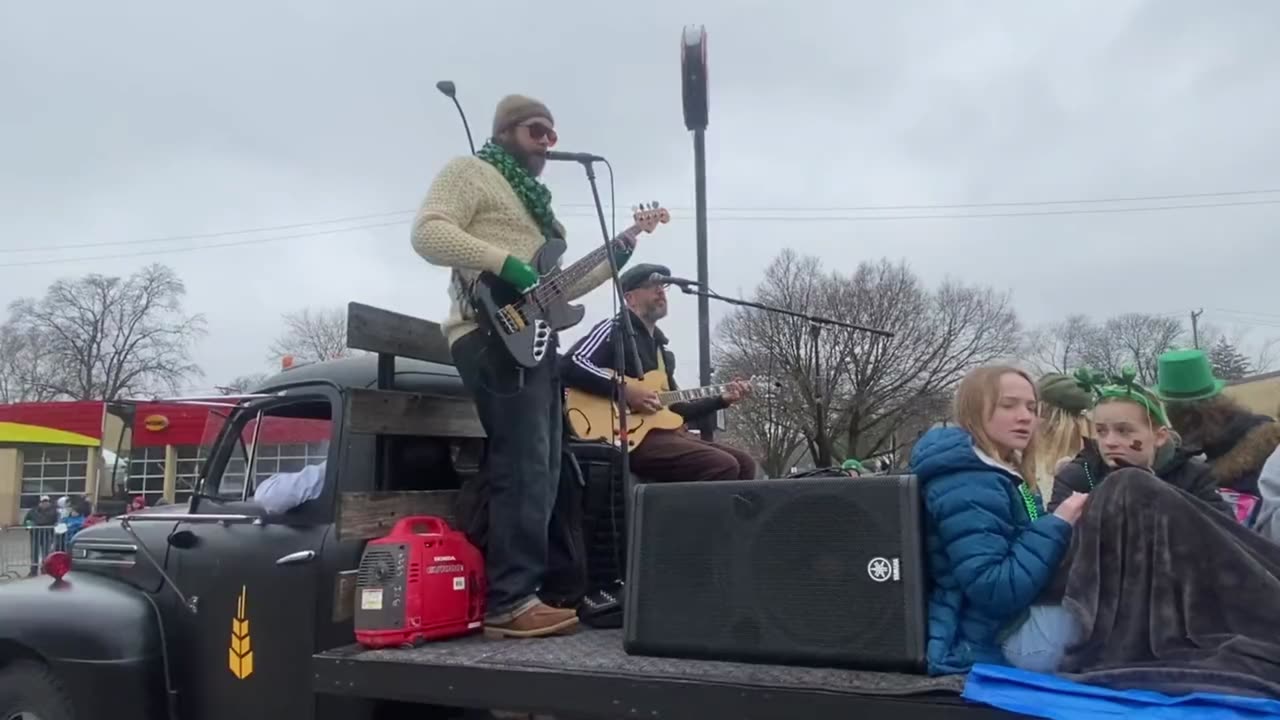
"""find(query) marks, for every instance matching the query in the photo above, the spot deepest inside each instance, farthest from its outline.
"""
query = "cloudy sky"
(125, 122)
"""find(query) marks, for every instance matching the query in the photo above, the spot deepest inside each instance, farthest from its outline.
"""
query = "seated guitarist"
(673, 455)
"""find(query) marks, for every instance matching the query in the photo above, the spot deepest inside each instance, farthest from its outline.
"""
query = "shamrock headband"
(1121, 387)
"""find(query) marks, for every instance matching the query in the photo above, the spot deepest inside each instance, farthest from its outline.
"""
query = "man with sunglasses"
(490, 213)
(662, 454)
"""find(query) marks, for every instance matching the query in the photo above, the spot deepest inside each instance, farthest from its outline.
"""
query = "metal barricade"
(23, 549)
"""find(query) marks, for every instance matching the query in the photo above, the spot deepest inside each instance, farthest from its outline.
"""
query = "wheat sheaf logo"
(240, 656)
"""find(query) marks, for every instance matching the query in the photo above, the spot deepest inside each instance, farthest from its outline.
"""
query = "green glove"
(519, 274)
(621, 257)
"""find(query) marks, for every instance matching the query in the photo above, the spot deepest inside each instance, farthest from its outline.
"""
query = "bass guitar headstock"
(647, 217)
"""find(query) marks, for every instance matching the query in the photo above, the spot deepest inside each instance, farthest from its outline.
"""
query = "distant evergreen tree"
(1228, 362)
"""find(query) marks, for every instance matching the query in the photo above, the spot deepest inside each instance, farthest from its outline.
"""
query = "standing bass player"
(666, 453)
(487, 217)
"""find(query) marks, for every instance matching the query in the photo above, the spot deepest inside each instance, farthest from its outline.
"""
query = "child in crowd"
(1064, 430)
(1132, 430)
(992, 549)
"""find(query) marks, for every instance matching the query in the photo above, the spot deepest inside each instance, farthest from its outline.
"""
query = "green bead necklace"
(1030, 501)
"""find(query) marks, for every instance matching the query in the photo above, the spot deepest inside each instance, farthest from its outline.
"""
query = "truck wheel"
(28, 691)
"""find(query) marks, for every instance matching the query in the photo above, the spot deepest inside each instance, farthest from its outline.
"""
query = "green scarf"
(535, 196)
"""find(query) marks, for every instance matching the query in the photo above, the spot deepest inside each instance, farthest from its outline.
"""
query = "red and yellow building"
(66, 448)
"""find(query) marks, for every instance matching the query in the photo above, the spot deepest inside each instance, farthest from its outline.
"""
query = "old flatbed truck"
(220, 610)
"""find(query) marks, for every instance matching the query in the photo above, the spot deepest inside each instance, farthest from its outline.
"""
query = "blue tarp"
(1053, 697)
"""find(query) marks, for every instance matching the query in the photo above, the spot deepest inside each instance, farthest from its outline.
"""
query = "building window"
(146, 472)
(53, 471)
(272, 459)
(190, 461)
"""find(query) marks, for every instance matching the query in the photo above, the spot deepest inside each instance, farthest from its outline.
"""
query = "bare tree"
(22, 362)
(1133, 339)
(312, 335)
(1058, 347)
(766, 424)
(103, 338)
(243, 384)
(848, 392)
(1268, 355)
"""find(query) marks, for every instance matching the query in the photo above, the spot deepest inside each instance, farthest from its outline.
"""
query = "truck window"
(280, 441)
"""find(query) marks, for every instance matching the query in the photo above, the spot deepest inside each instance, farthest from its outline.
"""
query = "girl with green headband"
(1131, 429)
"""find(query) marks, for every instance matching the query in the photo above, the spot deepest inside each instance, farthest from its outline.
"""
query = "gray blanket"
(1172, 596)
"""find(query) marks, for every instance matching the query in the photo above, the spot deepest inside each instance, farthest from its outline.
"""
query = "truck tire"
(28, 691)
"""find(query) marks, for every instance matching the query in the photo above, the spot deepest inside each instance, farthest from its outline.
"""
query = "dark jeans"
(523, 418)
(677, 456)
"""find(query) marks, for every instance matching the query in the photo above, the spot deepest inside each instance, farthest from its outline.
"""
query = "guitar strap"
(662, 365)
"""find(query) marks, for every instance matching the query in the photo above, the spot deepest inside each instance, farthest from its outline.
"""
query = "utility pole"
(1195, 326)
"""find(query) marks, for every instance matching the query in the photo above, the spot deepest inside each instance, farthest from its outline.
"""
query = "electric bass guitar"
(525, 321)
(594, 417)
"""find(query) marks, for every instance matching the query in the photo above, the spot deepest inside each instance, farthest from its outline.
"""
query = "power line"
(756, 209)
(170, 251)
(201, 236)
(955, 206)
(966, 216)
(757, 218)
(1269, 316)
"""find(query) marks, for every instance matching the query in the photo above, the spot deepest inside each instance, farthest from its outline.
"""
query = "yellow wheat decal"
(240, 656)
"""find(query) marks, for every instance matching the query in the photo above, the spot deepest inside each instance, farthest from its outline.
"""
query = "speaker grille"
(803, 570)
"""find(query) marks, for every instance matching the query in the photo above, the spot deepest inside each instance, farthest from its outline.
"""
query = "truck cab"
(214, 609)
(235, 607)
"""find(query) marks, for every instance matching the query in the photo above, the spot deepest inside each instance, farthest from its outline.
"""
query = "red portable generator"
(423, 581)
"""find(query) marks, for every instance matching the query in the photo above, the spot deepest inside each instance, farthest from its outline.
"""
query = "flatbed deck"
(588, 674)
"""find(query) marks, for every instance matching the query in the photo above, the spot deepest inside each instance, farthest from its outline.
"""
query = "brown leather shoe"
(538, 621)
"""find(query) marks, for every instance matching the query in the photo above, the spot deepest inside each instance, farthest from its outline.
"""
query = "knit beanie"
(515, 109)
(1062, 391)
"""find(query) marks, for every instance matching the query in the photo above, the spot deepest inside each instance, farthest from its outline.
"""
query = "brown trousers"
(677, 456)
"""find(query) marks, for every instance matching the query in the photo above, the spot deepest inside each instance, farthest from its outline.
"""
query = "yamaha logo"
(883, 569)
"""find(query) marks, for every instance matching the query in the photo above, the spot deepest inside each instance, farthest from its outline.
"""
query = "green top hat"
(852, 464)
(1185, 376)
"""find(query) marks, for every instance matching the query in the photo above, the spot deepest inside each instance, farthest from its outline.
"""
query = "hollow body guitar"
(594, 417)
(525, 321)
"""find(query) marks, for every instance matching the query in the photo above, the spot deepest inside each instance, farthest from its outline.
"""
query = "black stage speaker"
(604, 518)
(806, 571)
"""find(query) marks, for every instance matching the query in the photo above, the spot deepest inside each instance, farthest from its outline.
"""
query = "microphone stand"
(816, 323)
(814, 319)
(624, 344)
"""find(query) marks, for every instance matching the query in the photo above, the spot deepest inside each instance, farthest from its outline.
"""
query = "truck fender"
(98, 636)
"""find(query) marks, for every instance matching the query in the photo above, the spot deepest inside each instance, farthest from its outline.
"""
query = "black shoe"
(602, 608)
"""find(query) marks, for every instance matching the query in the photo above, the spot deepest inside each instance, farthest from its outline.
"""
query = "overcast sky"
(126, 121)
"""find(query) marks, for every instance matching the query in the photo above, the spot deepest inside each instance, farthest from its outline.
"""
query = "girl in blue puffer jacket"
(992, 548)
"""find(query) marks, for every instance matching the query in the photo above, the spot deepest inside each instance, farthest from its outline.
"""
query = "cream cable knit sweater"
(471, 220)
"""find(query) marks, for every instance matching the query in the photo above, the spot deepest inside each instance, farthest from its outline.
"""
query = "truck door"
(246, 651)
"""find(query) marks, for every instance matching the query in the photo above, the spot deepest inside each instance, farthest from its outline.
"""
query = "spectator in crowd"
(1064, 431)
(39, 523)
(1235, 442)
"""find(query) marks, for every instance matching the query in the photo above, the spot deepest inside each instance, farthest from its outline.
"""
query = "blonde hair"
(975, 403)
(1061, 435)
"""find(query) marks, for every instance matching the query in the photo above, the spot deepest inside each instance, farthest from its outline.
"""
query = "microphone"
(449, 90)
(677, 281)
(584, 158)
